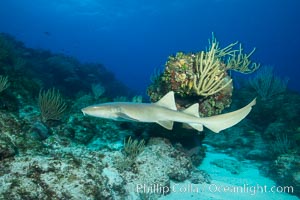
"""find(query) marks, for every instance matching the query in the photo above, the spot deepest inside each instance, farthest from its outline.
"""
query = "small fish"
(47, 33)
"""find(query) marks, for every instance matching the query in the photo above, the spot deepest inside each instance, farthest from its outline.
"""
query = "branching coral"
(210, 76)
(240, 62)
(4, 83)
(236, 59)
(51, 105)
(133, 147)
(221, 53)
(267, 84)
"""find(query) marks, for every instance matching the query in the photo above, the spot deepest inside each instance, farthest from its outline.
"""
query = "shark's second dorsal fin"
(167, 101)
(192, 110)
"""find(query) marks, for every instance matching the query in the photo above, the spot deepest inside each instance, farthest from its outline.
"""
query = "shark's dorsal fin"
(167, 101)
(166, 124)
(192, 110)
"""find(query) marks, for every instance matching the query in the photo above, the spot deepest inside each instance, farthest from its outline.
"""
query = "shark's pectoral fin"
(166, 124)
(126, 117)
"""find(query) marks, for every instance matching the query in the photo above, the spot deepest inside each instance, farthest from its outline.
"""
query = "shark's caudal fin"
(220, 122)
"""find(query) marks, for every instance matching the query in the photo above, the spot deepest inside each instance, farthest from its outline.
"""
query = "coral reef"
(267, 84)
(158, 163)
(30, 70)
(47, 155)
(73, 157)
(63, 176)
(202, 77)
(285, 170)
(64, 169)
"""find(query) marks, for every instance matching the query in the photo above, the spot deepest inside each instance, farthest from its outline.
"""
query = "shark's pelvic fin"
(167, 101)
(198, 127)
(166, 124)
(220, 122)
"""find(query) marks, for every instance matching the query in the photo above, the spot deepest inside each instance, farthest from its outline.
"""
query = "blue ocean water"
(132, 38)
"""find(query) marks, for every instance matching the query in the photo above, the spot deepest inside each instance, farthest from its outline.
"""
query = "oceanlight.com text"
(250, 189)
(213, 188)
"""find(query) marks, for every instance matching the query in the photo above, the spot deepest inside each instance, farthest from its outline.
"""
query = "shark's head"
(102, 110)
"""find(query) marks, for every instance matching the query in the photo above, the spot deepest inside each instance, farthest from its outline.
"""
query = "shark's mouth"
(84, 114)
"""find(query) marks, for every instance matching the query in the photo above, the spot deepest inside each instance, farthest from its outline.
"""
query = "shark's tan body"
(164, 112)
